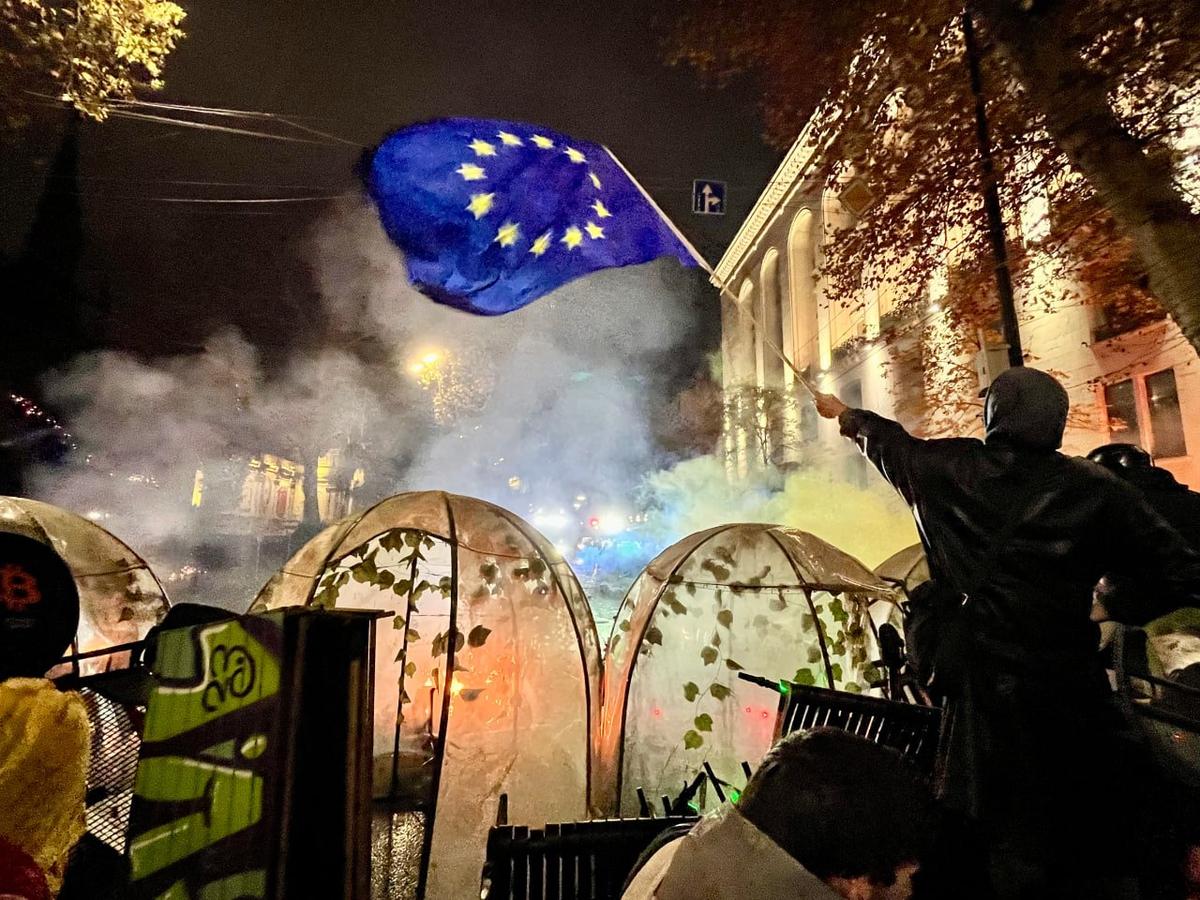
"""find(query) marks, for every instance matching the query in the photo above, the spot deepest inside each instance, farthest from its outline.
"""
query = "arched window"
(803, 297)
(746, 350)
(770, 318)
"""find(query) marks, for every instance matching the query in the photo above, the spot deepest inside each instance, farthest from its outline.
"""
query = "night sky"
(174, 272)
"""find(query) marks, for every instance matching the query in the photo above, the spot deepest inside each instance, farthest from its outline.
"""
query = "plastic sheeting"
(907, 567)
(120, 598)
(771, 601)
(480, 594)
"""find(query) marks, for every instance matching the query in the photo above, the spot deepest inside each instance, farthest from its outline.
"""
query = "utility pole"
(991, 201)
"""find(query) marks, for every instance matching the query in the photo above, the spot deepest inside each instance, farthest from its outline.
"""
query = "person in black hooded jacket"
(1031, 725)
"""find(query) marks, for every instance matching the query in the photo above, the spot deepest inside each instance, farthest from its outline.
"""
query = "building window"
(1166, 421)
(1123, 425)
(1144, 410)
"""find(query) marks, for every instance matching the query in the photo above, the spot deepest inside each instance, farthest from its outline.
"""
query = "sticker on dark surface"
(39, 607)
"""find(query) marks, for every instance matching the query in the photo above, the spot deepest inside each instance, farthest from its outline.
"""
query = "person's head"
(852, 812)
(1119, 457)
(1026, 407)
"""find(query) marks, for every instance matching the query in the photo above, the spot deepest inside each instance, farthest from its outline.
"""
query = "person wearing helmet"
(1174, 639)
(1019, 534)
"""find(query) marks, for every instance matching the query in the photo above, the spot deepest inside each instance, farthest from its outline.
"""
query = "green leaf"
(653, 636)
(715, 640)
(410, 670)
(725, 617)
(439, 645)
(412, 635)
(412, 538)
(836, 669)
(470, 694)
(777, 604)
(401, 588)
(718, 571)
(459, 640)
(691, 691)
(709, 655)
(733, 664)
(692, 740)
(703, 722)
(854, 688)
(623, 626)
(400, 654)
(385, 580)
(804, 676)
(691, 588)
(813, 654)
(719, 691)
(478, 636)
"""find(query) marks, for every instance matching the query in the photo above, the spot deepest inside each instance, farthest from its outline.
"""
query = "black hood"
(1026, 408)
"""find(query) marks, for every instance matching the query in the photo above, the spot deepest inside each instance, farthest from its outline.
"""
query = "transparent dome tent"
(905, 568)
(120, 598)
(486, 680)
(768, 600)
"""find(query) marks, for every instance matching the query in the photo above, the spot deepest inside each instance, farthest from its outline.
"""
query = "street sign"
(708, 198)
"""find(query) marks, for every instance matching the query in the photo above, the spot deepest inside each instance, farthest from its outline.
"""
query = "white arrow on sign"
(711, 201)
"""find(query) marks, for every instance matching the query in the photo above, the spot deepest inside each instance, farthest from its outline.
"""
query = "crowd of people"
(1044, 789)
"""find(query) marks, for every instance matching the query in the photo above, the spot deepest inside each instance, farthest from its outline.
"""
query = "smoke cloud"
(527, 409)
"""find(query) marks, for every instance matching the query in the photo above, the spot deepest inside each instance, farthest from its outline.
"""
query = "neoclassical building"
(1140, 386)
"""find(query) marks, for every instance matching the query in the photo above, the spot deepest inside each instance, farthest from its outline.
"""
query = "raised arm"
(892, 450)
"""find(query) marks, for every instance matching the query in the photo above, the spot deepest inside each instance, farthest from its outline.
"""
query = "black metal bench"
(910, 729)
(570, 861)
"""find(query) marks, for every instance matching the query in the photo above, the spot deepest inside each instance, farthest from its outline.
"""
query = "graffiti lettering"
(231, 673)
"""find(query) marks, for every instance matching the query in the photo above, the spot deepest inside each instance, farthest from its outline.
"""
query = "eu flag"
(492, 215)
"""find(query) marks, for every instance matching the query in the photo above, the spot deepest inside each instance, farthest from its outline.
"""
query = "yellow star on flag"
(482, 148)
(544, 142)
(506, 236)
(573, 237)
(471, 172)
(601, 209)
(509, 139)
(540, 245)
(574, 155)
(595, 232)
(481, 204)
(595, 180)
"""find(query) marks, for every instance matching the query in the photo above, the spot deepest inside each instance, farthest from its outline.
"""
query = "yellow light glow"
(430, 358)
(456, 686)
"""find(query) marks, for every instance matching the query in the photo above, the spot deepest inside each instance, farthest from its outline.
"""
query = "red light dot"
(765, 714)
(593, 522)
(749, 710)
(657, 711)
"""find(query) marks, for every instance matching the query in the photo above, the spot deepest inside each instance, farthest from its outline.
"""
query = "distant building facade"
(1135, 382)
(264, 495)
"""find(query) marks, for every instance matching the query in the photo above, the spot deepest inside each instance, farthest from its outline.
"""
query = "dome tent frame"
(93, 554)
(472, 531)
(812, 568)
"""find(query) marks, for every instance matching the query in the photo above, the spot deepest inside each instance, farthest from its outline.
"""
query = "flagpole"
(722, 287)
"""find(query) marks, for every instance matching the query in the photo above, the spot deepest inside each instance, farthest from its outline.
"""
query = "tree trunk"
(1138, 190)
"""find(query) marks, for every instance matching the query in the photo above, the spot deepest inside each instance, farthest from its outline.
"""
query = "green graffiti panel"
(210, 764)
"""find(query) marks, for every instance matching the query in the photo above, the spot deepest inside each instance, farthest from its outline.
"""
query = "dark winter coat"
(1036, 706)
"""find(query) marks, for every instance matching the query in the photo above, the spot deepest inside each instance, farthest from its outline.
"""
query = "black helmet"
(1121, 456)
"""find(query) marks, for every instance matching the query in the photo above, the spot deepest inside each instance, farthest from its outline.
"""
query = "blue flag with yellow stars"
(492, 215)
